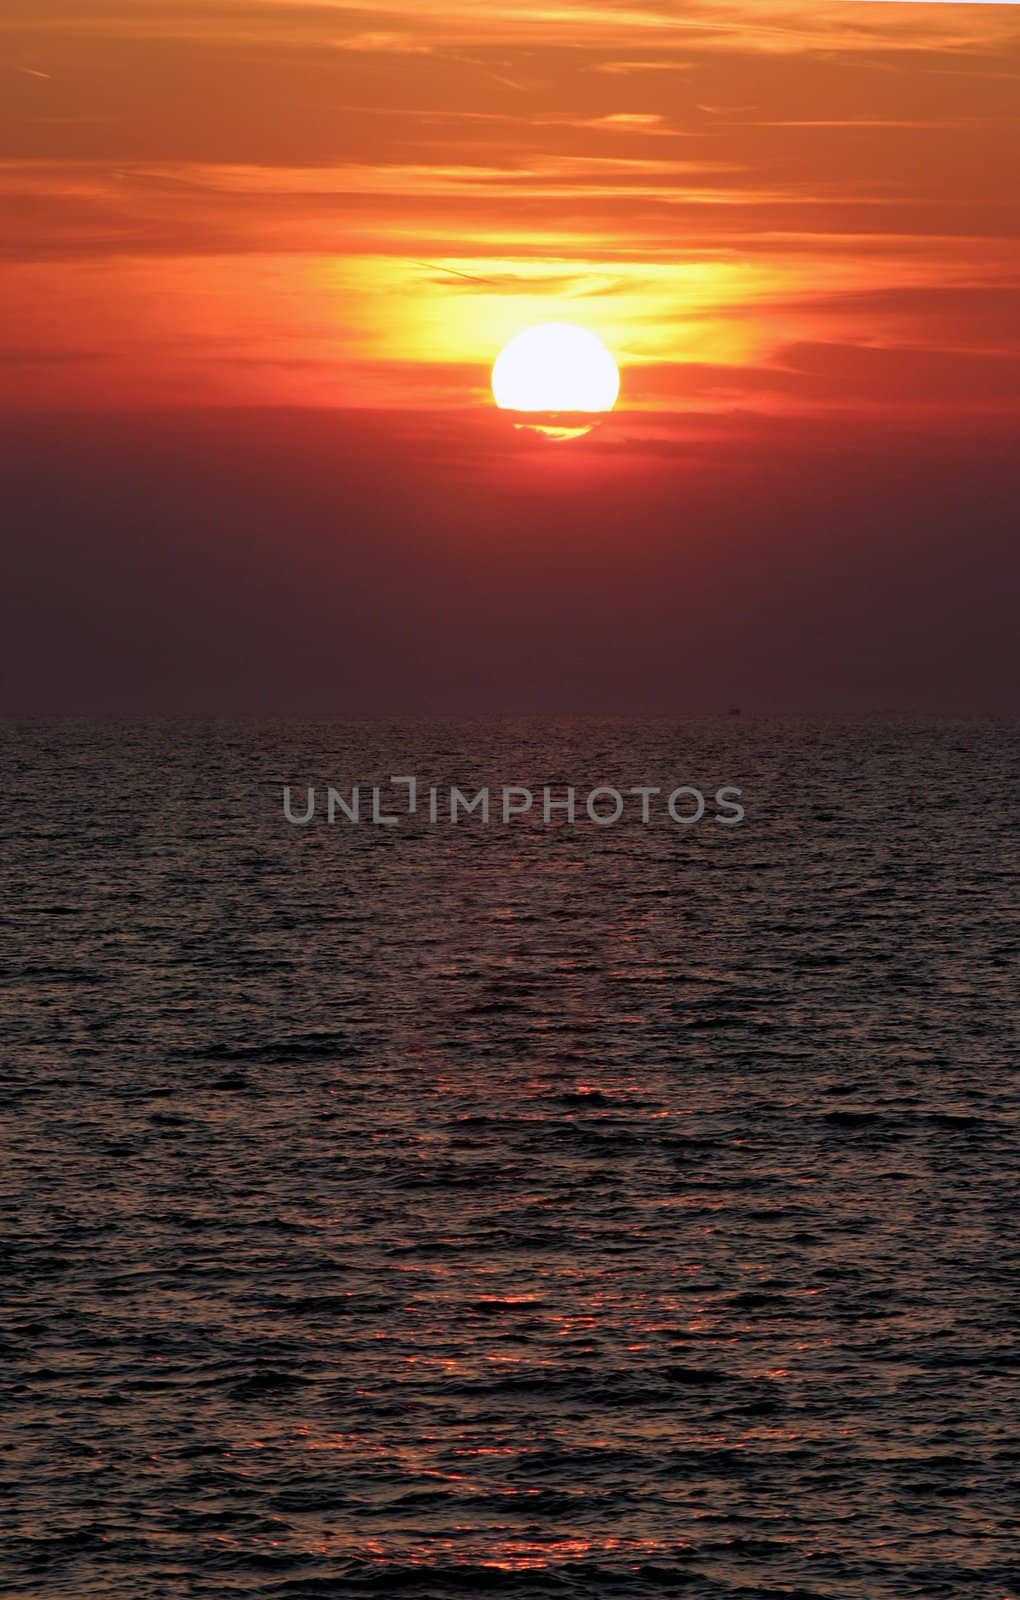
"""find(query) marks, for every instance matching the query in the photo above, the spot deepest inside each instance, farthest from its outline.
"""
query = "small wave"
(315, 1046)
(265, 1384)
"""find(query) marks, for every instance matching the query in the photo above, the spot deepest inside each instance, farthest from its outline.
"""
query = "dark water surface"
(549, 1211)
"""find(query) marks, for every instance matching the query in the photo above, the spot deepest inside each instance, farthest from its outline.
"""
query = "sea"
(529, 1208)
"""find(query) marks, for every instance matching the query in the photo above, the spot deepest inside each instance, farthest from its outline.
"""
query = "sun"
(556, 368)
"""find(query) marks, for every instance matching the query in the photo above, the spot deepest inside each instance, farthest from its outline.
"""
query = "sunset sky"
(796, 226)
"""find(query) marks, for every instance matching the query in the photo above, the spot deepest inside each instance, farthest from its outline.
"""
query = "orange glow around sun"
(753, 223)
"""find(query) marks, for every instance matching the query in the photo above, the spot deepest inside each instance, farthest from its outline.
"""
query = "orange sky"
(768, 205)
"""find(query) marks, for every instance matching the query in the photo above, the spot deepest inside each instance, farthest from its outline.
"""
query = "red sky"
(797, 227)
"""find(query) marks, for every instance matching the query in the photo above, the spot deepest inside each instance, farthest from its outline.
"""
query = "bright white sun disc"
(555, 367)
